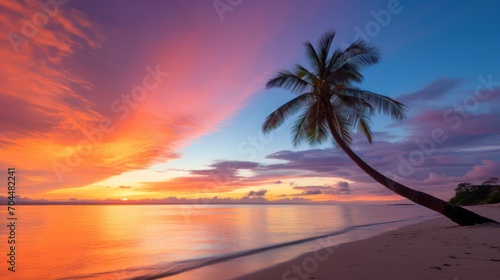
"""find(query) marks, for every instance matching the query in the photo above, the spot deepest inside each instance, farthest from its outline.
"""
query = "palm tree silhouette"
(332, 105)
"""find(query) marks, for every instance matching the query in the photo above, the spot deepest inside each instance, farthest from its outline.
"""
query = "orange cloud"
(67, 127)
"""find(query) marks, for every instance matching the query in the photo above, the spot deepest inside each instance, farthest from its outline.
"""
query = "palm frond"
(356, 113)
(331, 102)
(316, 125)
(333, 59)
(365, 127)
(287, 80)
(341, 125)
(307, 75)
(324, 46)
(362, 53)
(345, 75)
(298, 130)
(384, 104)
(312, 55)
(358, 54)
(359, 105)
(277, 117)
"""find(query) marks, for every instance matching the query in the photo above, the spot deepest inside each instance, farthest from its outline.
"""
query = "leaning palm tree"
(330, 104)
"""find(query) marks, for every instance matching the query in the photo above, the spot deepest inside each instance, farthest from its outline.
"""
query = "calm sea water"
(170, 241)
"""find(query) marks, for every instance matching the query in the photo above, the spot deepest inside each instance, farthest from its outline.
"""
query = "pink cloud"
(48, 113)
(483, 171)
(63, 82)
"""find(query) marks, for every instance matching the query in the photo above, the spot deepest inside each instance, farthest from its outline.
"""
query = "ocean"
(180, 242)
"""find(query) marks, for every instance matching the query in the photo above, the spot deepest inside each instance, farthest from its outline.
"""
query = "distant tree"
(493, 181)
(493, 198)
(463, 187)
(469, 194)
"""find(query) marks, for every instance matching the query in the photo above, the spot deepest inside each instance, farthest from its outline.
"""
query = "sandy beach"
(434, 249)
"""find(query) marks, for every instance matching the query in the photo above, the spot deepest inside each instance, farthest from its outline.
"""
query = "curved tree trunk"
(457, 214)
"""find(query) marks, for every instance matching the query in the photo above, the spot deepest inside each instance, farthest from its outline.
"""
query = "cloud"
(311, 192)
(226, 168)
(441, 147)
(224, 172)
(339, 188)
(39, 92)
(60, 87)
(73, 76)
(320, 161)
(221, 176)
(258, 193)
(343, 188)
(166, 200)
(430, 92)
(483, 171)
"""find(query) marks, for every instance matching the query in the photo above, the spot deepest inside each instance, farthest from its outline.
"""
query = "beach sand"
(434, 249)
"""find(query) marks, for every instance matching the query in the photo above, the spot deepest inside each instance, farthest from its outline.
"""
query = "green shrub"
(493, 198)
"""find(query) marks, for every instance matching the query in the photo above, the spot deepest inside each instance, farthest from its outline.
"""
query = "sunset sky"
(154, 99)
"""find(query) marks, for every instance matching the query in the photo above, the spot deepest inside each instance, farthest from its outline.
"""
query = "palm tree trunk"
(457, 214)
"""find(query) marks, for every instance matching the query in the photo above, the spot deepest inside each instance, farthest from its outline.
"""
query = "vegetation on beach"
(468, 194)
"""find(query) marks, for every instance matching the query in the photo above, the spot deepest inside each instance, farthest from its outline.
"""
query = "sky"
(165, 99)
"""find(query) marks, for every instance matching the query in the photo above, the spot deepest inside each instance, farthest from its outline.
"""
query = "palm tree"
(331, 105)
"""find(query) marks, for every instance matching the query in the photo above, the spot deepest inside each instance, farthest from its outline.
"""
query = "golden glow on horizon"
(283, 190)
(136, 177)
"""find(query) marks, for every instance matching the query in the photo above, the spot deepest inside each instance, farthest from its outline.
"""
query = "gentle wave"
(173, 268)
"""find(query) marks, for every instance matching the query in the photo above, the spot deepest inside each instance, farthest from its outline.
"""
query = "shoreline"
(432, 249)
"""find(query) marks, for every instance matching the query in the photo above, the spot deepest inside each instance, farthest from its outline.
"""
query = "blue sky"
(209, 108)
